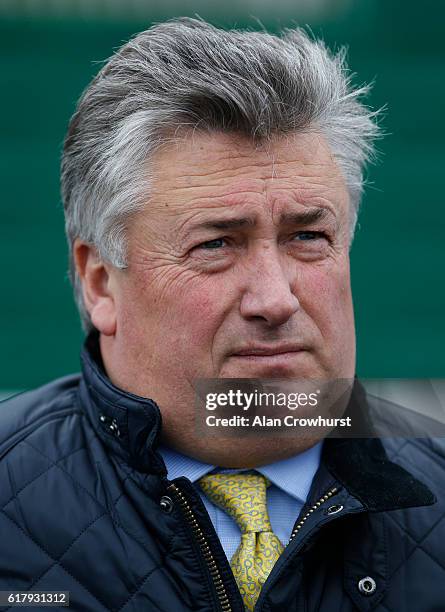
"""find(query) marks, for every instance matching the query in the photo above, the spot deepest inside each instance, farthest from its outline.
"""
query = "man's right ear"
(97, 288)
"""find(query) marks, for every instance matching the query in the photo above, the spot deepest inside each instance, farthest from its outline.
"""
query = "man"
(211, 182)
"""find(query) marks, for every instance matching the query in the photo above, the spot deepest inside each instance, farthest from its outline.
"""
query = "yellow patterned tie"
(243, 497)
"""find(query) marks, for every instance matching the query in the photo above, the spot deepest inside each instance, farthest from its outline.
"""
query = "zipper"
(204, 546)
(312, 509)
(296, 529)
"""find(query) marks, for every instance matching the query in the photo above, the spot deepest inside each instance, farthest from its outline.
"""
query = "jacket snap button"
(334, 509)
(367, 585)
(113, 427)
(166, 504)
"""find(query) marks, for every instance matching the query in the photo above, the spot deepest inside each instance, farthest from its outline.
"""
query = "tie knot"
(242, 496)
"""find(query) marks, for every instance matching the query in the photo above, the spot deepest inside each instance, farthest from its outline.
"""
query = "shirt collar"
(293, 475)
(178, 464)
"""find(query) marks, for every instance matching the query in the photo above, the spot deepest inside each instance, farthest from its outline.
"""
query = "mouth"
(281, 361)
(268, 351)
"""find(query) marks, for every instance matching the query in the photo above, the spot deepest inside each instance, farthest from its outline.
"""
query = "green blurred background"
(50, 51)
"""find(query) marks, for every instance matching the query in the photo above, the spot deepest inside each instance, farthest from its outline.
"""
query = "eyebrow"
(306, 217)
(226, 224)
(302, 218)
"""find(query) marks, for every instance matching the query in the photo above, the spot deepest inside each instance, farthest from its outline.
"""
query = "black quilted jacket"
(86, 507)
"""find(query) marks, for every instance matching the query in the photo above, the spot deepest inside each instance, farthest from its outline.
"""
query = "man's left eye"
(309, 235)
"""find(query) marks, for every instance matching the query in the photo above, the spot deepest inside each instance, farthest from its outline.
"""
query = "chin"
(289, 365)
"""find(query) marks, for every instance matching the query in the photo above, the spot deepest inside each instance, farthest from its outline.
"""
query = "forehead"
(201, 172)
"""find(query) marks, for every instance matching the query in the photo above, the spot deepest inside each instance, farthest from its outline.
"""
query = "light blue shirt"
(290, 480)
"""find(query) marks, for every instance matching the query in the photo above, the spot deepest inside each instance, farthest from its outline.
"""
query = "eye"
(216, 243)
(309, 235)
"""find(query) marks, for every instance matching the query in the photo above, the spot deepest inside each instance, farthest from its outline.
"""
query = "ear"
(97, 288)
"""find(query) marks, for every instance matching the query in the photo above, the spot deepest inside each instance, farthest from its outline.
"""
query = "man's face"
(237, 268)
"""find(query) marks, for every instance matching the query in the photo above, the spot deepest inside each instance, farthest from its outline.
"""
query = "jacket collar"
(131, 426)
(128, 424)
(362, 466)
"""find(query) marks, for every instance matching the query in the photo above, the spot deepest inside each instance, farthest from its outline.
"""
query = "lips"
(268, 351)
(279, 360)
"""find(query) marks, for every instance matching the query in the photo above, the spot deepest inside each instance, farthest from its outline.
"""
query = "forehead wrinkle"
(276, 169)
(322, 176)
(242, 179)
(302, 197)
(256, 169)
(231, 159)
(253, 185)
(319, 198)
(231, 205)
(252, 172)
(212, 163)
(226, 190)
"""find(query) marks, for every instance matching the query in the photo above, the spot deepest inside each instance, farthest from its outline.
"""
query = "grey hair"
(186, 72)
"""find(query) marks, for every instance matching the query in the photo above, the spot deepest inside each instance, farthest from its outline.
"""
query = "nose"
(268, 295)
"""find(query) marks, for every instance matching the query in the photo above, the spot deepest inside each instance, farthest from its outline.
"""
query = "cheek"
(325, 294)
(179, 309)
(199, 311)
